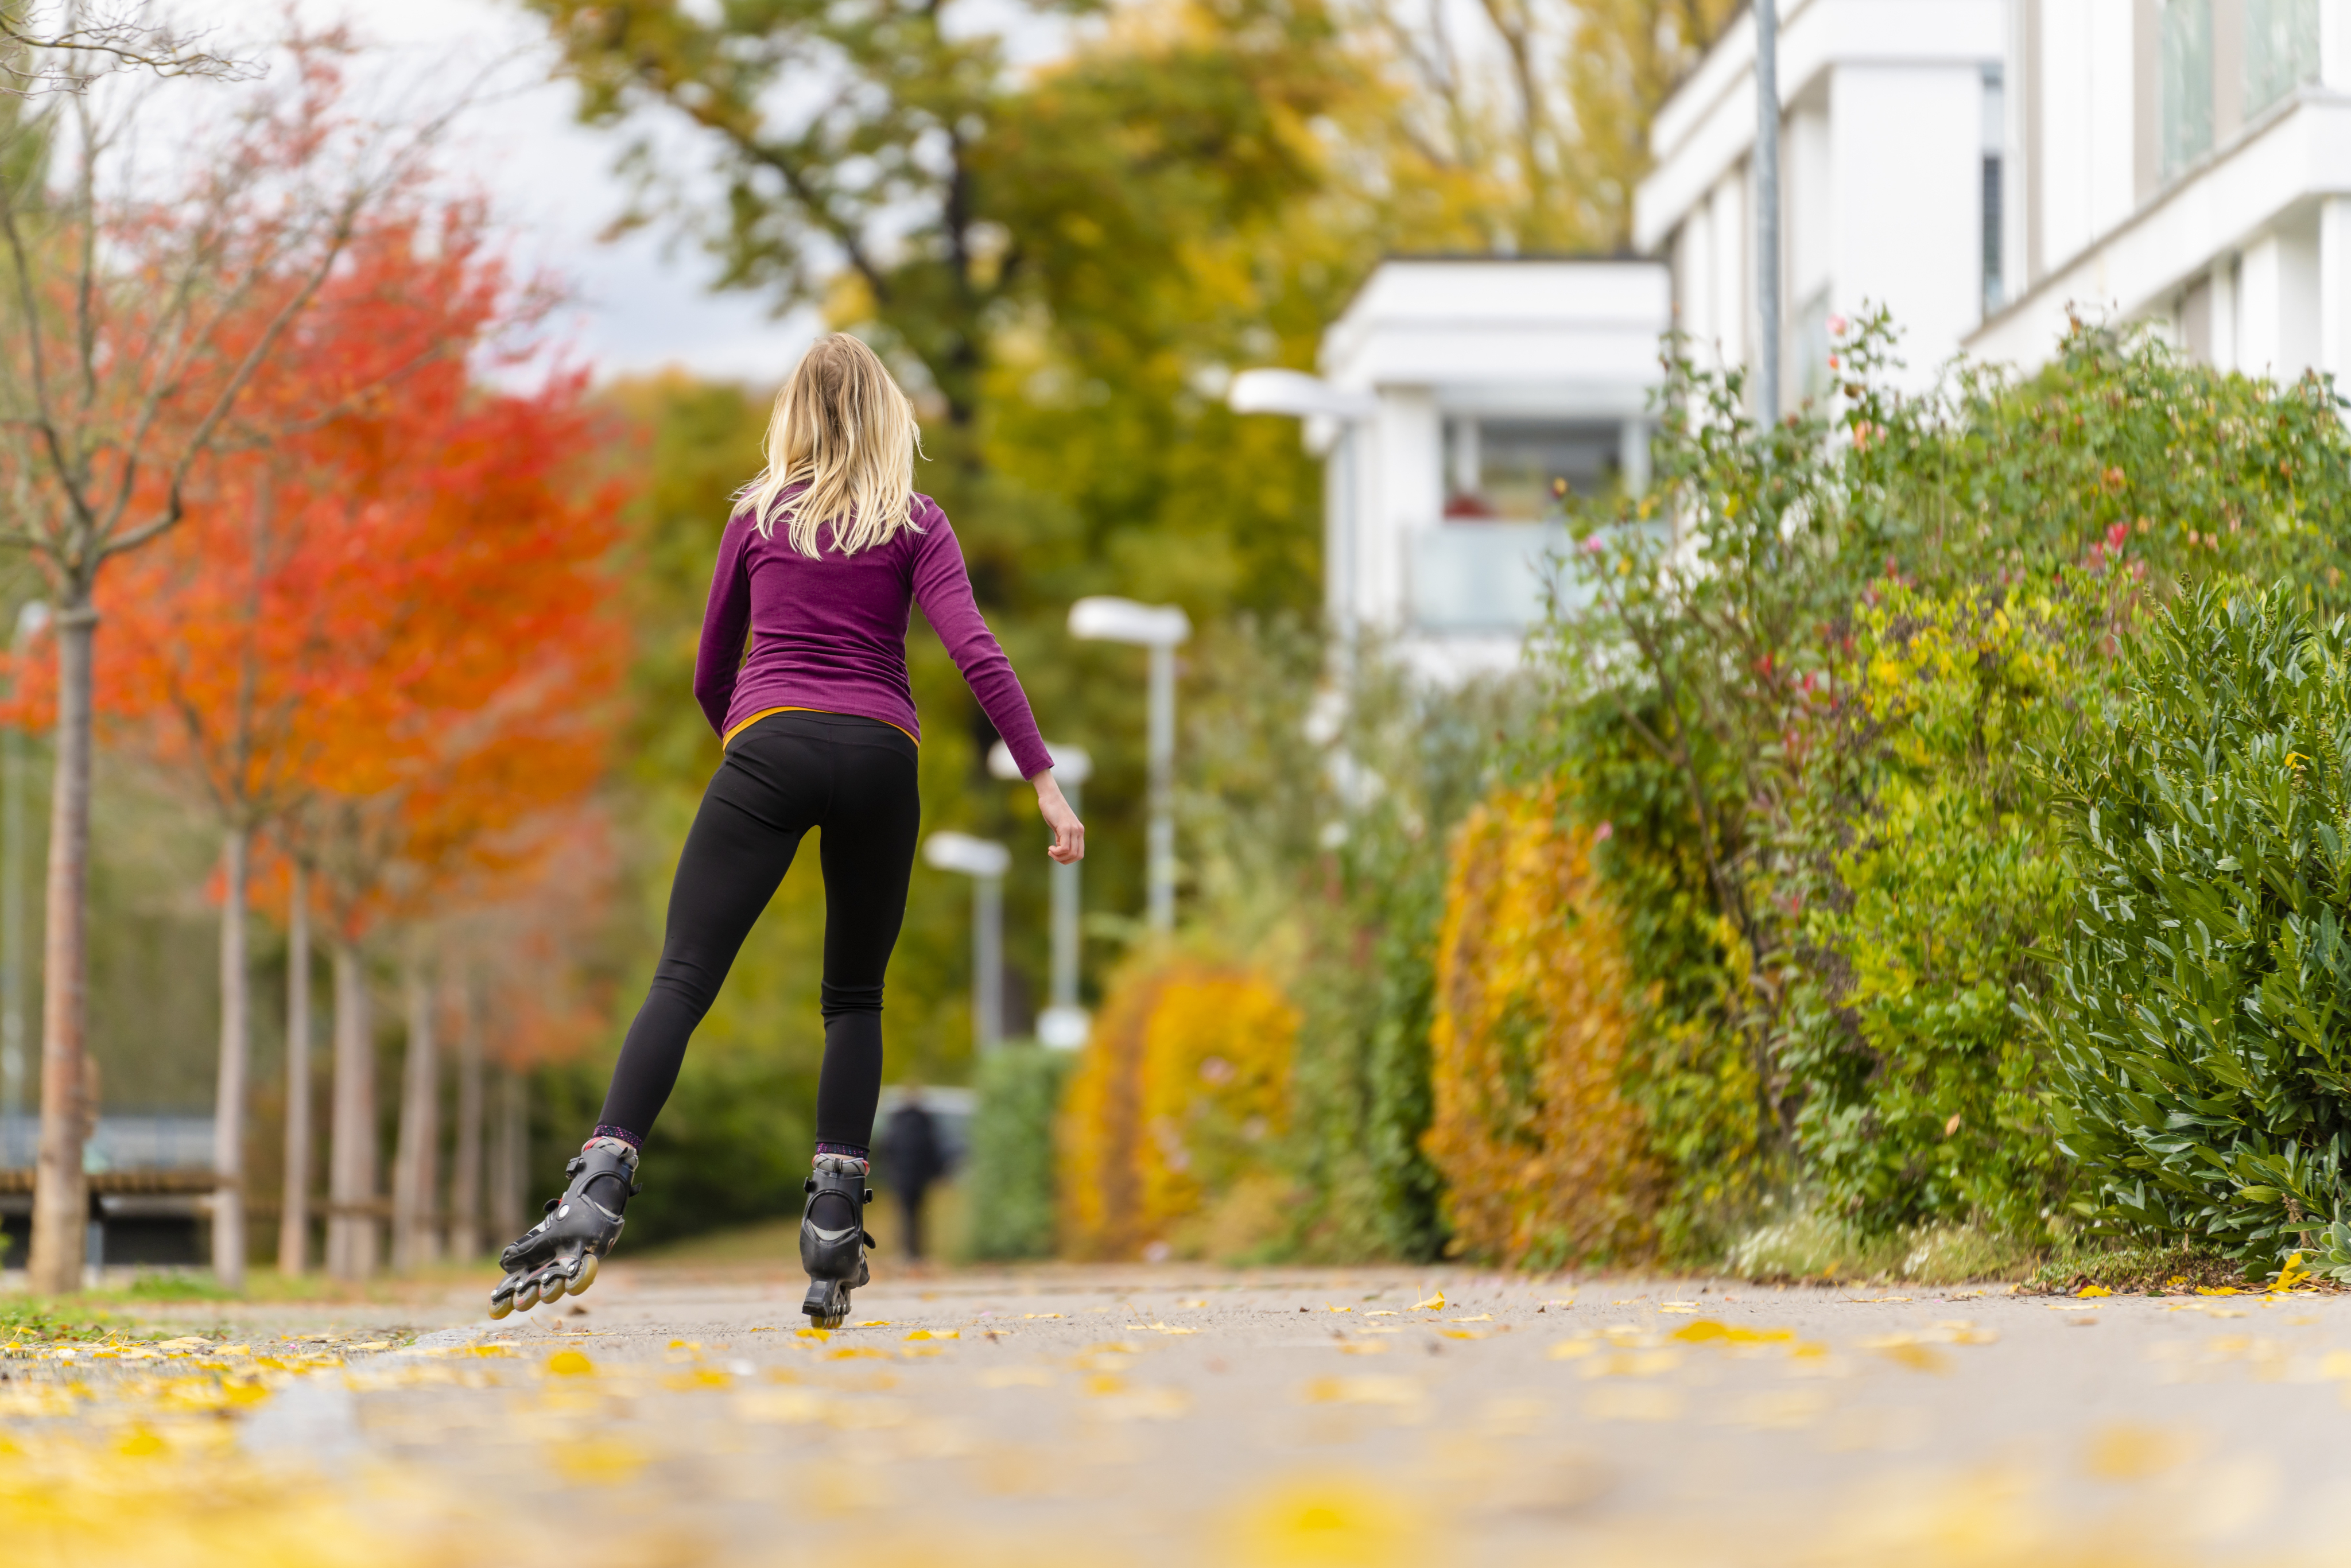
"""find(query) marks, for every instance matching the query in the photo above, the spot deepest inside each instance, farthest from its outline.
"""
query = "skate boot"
(833, 1238)
(561, 1251)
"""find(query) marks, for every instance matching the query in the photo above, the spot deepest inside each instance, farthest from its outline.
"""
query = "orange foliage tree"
(472, 704)
(1545, 1162)
(385, 629)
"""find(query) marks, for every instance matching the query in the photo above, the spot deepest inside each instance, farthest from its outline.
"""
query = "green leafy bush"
(2202, 1022)
(1924, 876)
(1009, 1175)
(1827, 966)
(1320, 789)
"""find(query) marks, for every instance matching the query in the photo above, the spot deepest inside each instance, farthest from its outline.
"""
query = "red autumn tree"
(384, 627)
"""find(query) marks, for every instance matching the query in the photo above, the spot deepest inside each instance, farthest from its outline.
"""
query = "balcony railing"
(1480, 577)
(126, 1143)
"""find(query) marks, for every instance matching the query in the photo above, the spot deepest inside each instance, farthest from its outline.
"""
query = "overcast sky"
(552, 184)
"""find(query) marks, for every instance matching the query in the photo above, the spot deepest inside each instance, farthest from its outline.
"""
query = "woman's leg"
(867, 845)
(765, 797)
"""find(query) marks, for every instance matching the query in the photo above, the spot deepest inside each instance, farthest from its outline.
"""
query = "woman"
(824, 553)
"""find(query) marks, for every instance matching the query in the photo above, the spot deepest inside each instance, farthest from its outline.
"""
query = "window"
(2184, 35)
(1512, 469)
(1995, 139)
(2281, 50)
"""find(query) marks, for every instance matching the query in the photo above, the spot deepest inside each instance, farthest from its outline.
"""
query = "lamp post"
(29, 622)
(983, 860)
(1160, 628)
(1063, 1024)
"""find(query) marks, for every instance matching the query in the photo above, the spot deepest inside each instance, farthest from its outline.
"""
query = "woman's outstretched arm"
(942, 588)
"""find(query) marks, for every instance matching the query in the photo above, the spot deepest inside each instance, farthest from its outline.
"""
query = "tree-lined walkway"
(1185, 1416)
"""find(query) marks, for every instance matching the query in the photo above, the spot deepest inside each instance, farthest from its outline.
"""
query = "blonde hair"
(844, 430)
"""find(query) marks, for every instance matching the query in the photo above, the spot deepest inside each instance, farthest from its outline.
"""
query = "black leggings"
(855, 779)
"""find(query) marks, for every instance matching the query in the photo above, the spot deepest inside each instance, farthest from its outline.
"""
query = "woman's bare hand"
(1069, 834)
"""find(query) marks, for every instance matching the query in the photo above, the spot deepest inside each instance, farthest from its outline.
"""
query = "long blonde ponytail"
(843, 429)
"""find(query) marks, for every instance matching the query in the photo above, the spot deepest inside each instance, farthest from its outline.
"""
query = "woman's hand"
(1069, 834)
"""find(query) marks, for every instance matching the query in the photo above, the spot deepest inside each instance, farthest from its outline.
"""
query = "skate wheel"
(829, 1321)
(499, 1309)
(587, 1275)
(527, 1298)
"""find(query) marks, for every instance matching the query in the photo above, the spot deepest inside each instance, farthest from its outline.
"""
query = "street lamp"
(1158, 627)
(983, 860)
(1062, 1024)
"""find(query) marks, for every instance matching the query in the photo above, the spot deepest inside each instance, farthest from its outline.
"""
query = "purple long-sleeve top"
(830, 634)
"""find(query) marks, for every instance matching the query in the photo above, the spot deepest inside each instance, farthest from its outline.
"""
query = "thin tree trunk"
(60, 1197)
(294, 1210)
(508, 1199)
(235, 1048)
(415, 1186)
(351, 1224)
(465, 1178)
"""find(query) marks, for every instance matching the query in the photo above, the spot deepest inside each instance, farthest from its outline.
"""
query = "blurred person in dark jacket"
(912, 1157)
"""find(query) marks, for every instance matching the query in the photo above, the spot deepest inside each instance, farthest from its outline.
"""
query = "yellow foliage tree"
(1175, 1108)
(1544, 1160)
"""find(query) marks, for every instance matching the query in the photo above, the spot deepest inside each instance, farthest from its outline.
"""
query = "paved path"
(1183, 1416)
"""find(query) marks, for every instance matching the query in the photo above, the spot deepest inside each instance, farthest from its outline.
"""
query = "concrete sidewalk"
(1184, 1416)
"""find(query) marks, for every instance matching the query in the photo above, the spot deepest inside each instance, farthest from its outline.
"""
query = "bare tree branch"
(82, 47)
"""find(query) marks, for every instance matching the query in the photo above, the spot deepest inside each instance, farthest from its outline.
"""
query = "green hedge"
(1008, 1181)
(2203, 1022)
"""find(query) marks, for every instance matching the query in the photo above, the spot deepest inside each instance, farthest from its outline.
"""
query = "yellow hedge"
(1175, 1107)
(1544, 1160)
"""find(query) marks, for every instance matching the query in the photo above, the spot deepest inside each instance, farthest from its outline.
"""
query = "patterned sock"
(618, 1139)
(842, 1156)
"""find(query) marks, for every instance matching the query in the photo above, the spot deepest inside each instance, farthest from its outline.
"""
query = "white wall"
(2277, 301)
(1411, 492)
(2084, 99)
(1908, 209)
(1809, 199)
(1730, 270)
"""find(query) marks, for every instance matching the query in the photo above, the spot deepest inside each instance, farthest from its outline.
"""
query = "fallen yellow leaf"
(2087, 1291)
(1362, 1391)
(570, 1364)
(2122, 1453)
(1435, 1303)
(1905, 1350)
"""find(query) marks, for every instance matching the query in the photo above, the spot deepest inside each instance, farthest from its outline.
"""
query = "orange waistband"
(728, 738)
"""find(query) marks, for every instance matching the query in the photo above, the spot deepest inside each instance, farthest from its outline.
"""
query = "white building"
(1983, 167)
(1459, 399)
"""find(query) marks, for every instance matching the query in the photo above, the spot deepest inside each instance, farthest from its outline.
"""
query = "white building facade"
(1462, 405)
(1983, 169)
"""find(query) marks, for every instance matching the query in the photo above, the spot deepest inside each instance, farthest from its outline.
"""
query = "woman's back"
(829, 632)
